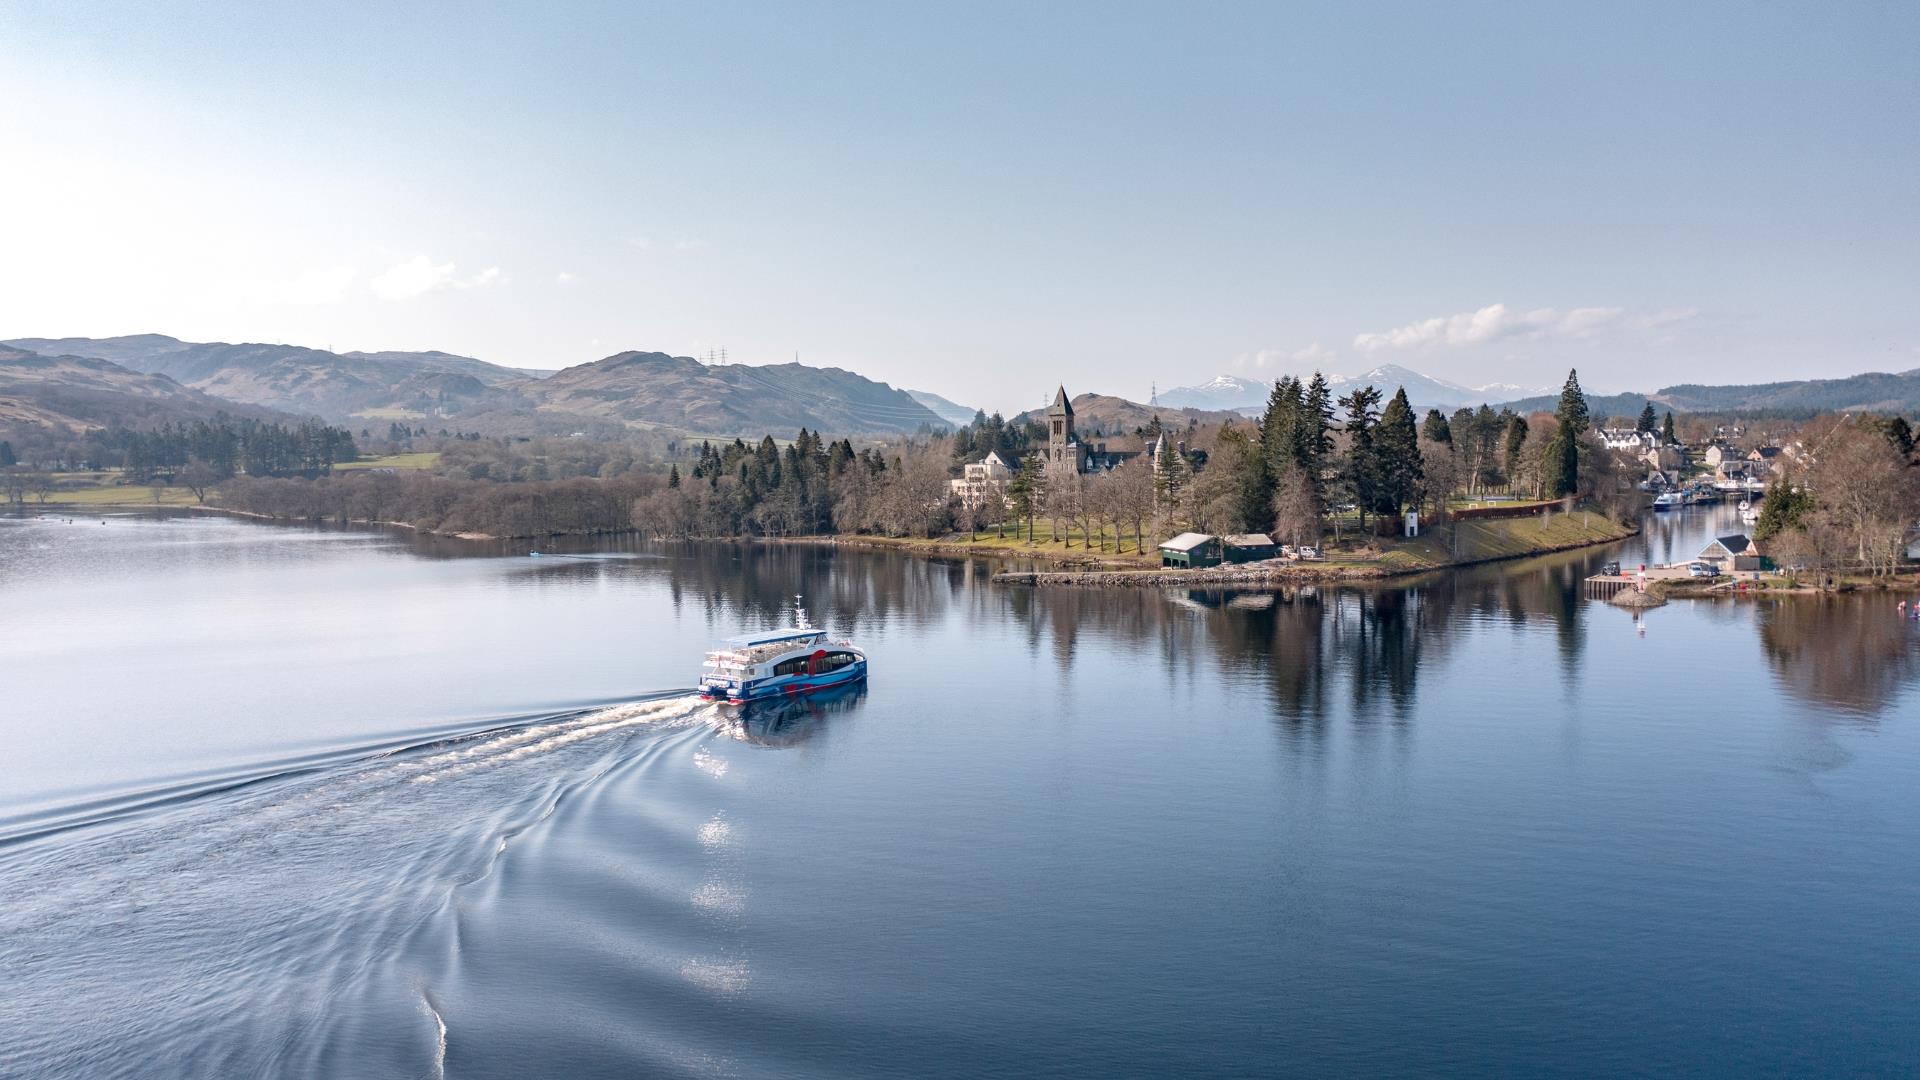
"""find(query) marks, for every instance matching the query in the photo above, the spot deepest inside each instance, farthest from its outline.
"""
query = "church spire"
(1060, 402)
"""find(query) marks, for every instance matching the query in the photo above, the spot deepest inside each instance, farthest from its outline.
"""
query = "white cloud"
(1314, 355)
(639, 243)
(689, 245)
(565, 277)
(420, 275)
(1491, 323)
(322, 285)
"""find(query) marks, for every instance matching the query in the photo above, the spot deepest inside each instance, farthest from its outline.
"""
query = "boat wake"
(218, 925)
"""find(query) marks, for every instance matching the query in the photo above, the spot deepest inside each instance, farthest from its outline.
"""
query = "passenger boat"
(1671, 500)
(799, 659)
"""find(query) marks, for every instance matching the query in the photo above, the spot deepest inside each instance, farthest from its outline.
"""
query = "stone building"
(1067, 452)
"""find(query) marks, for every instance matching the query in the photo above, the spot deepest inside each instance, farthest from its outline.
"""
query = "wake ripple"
(214, 926)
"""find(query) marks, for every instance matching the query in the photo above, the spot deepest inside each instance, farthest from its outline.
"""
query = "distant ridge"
(635, 388)
(655, 389)
(1424, 391)
(952, 412)
(83, 392)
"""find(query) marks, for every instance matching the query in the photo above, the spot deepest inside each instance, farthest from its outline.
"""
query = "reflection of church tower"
(1063, 449)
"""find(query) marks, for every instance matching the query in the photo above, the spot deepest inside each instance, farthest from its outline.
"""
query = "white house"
(1634, 442)
(982, 481)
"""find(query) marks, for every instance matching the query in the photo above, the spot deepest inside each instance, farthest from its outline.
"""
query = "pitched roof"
(1187, 541)
(1248, 540)
(1060, 402)
(1732, 545)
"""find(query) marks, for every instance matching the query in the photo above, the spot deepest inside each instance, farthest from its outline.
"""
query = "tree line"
(217, 448)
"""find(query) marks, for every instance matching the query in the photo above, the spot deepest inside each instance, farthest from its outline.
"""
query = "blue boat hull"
(787, 685)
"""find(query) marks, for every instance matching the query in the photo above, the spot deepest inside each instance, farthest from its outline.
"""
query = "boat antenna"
(800, 614)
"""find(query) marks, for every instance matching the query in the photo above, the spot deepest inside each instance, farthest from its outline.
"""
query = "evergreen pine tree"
(1666, 430)
(1561, 469)
(1362, 470)
(1435, 428)
(1647, 420)
(7, 460)
(673, 476)
(1396, 449)
(1516, 440)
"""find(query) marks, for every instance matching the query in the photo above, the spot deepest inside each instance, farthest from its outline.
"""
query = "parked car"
(1701, 569)
(1309, 552)
(1287, 552)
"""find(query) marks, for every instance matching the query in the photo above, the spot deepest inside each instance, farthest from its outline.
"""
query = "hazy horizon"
(975, 202)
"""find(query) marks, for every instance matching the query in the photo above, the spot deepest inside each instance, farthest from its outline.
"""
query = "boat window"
(834, 661)
(791, 667)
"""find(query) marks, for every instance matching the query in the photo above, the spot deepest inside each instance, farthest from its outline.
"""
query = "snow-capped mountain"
(1423, 391)
(1220, 392)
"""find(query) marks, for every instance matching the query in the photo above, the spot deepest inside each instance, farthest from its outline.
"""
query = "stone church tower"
(1064, 451)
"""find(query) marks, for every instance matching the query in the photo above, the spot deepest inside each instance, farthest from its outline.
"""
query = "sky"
(981, 200)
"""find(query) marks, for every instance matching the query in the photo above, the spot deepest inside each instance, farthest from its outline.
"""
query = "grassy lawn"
(1044, 544)
(424, 459)
(119, 495)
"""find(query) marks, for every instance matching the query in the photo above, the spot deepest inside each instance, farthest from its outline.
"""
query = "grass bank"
(1463, 543)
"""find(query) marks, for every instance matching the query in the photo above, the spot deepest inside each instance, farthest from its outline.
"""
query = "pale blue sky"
(981, 200)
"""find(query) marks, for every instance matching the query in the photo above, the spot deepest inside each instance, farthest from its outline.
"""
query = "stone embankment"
(1257, 574)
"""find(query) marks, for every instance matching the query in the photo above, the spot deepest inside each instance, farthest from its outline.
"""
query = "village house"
(1665, 459)
(1718, 452)
(1732, 470)
(1628, 439)
(1769, 458)
(982, 482)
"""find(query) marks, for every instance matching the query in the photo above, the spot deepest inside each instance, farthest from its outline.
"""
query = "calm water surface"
(298, 802)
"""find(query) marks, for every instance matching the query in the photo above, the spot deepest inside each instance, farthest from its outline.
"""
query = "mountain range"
(1249, 396)
(651, 390)
(150, 378)
(1095, 414)
(83, 392)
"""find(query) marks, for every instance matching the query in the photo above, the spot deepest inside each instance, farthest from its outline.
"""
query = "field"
(119, 495)
(424, 459)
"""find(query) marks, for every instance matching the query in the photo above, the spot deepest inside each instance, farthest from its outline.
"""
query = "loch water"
(303, 802)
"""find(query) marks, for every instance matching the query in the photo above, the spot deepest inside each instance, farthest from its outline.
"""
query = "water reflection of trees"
(1847, 654)
(1307, 647)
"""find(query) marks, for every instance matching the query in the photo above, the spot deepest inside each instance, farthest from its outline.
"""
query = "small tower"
(1063, 449)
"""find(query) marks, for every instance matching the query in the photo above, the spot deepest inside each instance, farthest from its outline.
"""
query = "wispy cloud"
(639, 243)
(420, 275)
(691, 244)
(1495, 322)
(565, 277)
(1313, 355)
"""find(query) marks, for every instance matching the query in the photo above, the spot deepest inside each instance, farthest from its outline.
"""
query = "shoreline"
(1076, 568)
(1291, 573)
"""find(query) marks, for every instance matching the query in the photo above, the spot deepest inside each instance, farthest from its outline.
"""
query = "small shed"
(1736, 553)
(1189, 550)
(1249, 547)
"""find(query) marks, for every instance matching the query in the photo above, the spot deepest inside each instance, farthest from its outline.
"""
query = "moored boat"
(798, 659)
(1671, 500)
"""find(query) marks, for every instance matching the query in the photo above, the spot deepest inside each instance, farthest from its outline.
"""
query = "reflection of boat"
(1749, 515)
(1672, 500)
(799, 659)
(789, 721)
